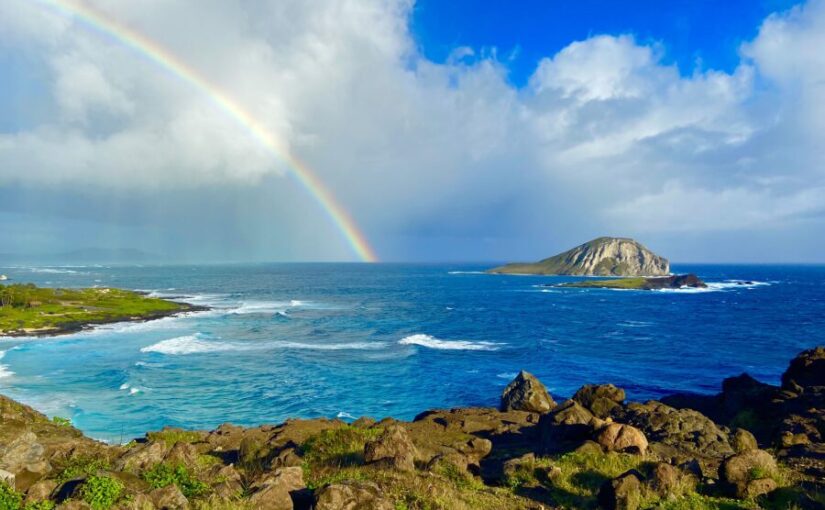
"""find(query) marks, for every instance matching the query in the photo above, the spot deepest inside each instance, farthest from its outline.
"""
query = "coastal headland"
(753, 445)
(28, 310)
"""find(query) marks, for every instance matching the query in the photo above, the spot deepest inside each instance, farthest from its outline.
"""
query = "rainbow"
(156, 54)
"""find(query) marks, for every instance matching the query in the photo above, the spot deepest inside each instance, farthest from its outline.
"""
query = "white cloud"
(605, 136)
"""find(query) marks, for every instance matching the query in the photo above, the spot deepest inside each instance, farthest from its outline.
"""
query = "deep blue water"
(308, 340)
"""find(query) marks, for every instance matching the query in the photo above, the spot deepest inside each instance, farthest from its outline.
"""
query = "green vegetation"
(343, 446)
(174, 436)
(164, 475)
(81, 466)
(617, 283)
(101, 492)
(27, 308)
(10, 499)
(63, 422)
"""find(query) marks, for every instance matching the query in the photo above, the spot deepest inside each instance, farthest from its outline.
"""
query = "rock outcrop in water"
(656, 283)
(605, 256)
(593, 450)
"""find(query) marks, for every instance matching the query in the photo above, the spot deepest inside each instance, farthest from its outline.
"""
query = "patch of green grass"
(578, 475)
(460, 478)
(696, 501)
(41, 505)
(164, 475)
(342, 446)
(349, 474)
(63, 422)
(30, 307)
(618, 283)
(10, 499)
(173, 436)
(77, 467)
(101, 492)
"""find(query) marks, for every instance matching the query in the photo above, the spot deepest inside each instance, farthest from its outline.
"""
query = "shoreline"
(753, 445)
(69, 328)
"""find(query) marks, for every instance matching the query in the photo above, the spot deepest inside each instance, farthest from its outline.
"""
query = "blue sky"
(448, 130)
(703, 33)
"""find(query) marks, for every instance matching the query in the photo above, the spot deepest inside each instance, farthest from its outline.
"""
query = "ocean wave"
(189, 344)
(344, 416)
(52, 270)
(455, 345)
(723, 286)
(4, 369)
(507, 375)
(466, 272)
(351, 346)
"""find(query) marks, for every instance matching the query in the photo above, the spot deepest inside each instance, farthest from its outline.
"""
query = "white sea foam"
(724, 286)
(52, 270)
(466, 272)
(344, 416)
(124, 386)
(351, 346)
(507, 375)
(276, 307)
(456, 345)
(189, 344)
(4, 369)
(133, 391)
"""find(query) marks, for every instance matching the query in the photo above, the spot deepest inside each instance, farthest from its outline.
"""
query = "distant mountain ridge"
(603, 256)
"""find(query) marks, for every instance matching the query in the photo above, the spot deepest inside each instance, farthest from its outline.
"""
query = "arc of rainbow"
(162, 57)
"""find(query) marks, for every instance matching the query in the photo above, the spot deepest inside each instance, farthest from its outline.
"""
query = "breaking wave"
(189, 344)
(454, 345)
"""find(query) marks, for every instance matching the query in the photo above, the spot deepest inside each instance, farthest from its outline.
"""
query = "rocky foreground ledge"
(751, 446)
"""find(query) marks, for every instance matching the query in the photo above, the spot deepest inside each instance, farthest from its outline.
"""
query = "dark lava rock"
(622, 493)
(807, 370)
(526, 393)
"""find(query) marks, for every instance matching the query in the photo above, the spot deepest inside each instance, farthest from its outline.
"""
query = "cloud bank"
(434, 160)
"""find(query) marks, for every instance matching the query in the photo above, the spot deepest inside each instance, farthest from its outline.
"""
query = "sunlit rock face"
(605, 256)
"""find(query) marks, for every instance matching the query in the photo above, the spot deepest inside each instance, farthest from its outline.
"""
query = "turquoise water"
(310, 340)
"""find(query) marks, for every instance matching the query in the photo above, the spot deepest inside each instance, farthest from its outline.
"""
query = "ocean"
(346, 340)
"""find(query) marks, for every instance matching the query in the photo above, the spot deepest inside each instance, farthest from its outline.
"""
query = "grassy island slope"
(26, 309)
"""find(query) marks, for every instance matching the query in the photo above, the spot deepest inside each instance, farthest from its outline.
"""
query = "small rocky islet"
(751, 446)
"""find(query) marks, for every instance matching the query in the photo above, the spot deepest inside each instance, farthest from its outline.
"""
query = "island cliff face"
(605, 256)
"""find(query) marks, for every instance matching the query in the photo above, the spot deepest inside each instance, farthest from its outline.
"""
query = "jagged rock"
(169, 498)
(393, 449)
(24, 453)
(684, 429)
(807, 370)
(526, 393)
(668, 481)
(40, 491)
(566, 426)
(621, 493)
(274, 492)
(136, 502)
(600, 399)
(743, 441)
(352, 496)
(739, 471)
(617, 437)
(74, 504)
(142, 456)
(182, 453)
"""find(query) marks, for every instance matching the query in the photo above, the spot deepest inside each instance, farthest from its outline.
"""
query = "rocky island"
(29, 310)
(657, 283)
(604, 256)
(751, 446)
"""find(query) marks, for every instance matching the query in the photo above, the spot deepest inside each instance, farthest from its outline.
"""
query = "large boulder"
(24, 454)
(526, 393)
(169, 498)
(617, 437)
(567, 426)
(743, 441)
(749, 474)
(601, 399)
(352, 496)
(622, 493)
(807, 370)
(685, 430)
(392, 449)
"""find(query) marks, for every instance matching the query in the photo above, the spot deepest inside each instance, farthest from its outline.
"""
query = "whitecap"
(507, 375)
(466, 272)
(4, 369)
(458, 345)
(344, 416)
(275, 307)
(134, 391)
(51, 270)
(354, 346)
(124, 386)
(189, 344)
